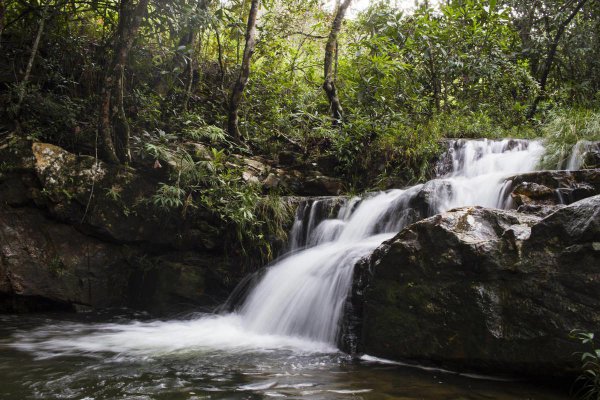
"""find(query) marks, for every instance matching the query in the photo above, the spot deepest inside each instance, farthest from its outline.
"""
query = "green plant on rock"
(57, 267)
(212, 180)
(168, 197)
(588, 383)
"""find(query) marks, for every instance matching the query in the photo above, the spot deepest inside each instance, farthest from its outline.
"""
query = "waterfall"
(298, 301)
(578, 154)
(304, 293)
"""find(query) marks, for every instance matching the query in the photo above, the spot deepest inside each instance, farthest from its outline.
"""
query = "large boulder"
(113, 202)
(484, 289)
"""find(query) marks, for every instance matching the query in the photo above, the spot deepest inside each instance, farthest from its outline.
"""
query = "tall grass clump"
(563, 130)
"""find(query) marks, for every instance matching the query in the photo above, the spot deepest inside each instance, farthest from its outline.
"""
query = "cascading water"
(578, 154)
(303, 295)
(282, 337)
(299, 301)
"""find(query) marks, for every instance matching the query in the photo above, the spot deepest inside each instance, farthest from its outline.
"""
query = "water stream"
(281, 339)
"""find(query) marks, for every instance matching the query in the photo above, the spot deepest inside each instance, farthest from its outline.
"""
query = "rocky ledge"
(484, 289)
(539, 192)
(76, 233)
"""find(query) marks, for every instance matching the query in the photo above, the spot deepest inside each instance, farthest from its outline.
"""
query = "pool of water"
(129, 356)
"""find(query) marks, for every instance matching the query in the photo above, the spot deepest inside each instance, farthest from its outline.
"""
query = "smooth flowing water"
(281, 340)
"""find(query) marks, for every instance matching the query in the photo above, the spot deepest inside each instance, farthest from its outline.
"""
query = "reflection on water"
(108, 357)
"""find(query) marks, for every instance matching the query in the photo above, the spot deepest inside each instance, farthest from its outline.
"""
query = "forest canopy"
(375, 91)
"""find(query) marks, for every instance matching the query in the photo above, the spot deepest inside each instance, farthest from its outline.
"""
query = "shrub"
(588, 383)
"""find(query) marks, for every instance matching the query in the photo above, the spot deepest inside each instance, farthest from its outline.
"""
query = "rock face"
(46, 265)
(75, 233)
(484, 289)
(289, 179)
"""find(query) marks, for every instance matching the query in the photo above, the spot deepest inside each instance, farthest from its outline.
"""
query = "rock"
(75, 232)
(484, 289)
(537, 192)
(43, 259)
(287, 158)
(576, 224)
(272, 181)
(591, 159)
(289, 180)
(584, 155)
(319, 185)
(46, 265)
(107, 201)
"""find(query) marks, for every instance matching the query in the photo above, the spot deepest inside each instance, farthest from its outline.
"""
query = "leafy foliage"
(589, 380)
(406, 80)
(207, 179)
(564, 129)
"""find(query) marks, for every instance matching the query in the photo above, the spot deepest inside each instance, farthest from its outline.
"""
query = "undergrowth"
(587, 385)
(563, 129)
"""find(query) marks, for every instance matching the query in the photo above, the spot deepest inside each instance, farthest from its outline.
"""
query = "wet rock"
(47, 265)
(484, 289)
(539, 191)
(591, 159)
(584, 155)
(425, 202)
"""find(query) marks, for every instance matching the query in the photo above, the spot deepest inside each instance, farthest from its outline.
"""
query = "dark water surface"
(93, 356)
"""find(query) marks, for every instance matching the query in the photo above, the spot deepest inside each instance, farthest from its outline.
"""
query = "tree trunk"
(2, 16)
(34, 50)
(190, 74)
(329, 64)
(547, 66)
(113, 127)
(242, 81)
(220, 56)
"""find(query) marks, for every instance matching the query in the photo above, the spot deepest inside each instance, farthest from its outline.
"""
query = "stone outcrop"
(77, 233)
(484, 289)
(539, 191)
(294, 179)
(48, 265)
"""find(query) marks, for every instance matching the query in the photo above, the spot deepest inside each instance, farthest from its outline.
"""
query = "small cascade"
(580, 152)
(480, 168)
(309, 215)
(304, 293)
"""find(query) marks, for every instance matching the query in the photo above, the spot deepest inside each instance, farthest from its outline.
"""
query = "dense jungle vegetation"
(366, 95)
